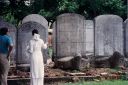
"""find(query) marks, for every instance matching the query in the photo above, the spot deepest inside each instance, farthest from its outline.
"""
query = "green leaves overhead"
(68, 6)
(18, 9)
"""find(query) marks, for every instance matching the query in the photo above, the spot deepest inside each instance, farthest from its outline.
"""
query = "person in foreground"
(6, 46)
(36, 58)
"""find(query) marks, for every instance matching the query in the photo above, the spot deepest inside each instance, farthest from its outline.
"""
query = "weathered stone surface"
(36, 18)
(73, 63)
(24, 35)
(89, 34)
(68, 35)
(12, 33)
(76, 62)
(64, 63)
(116, 60)
(101, 61)
(126, 62)
(84, 64)
(70, 62)
(126, 38)
(54, 40)
(108, 35)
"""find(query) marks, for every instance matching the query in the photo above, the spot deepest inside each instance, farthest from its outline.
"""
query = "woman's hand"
(46, 43)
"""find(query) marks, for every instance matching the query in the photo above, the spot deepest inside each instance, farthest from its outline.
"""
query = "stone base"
(72, 63)
(85, 64)
(23, 67)
(102, 62)
(64, 63)
(126, 62)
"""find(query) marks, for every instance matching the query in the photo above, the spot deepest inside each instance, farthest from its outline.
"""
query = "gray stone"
(76, 62)
(126, 38)
(108, 35)
(70, 62)
(64, 63)
(89, 34)
(54, 40)
(101, 62)
(84, 64)
(68, 35)
(12, 33)
(116, 60)
(24, 35)
(36, 18)
(126, 62)
(113, 61)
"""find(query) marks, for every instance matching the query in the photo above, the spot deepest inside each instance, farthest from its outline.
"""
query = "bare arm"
(9, 52)
(44, 45)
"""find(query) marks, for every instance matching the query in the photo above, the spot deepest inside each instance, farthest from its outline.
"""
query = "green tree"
(10, 18)
(50, 9)
(4, 7)
(54, 8)
(68, 6)
(19, 9)
(47, 14)
(37, 5)
(97, 7)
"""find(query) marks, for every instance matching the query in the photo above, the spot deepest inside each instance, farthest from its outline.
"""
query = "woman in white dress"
(36, 59)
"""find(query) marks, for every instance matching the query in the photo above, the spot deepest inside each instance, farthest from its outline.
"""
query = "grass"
(114, 82)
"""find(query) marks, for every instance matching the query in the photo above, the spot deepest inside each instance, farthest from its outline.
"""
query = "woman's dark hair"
(3, 31)
(35, 31)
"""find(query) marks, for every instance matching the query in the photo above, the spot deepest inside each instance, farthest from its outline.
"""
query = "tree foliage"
(10, 18)
(17, 9)
(68, 6)
(98, 7)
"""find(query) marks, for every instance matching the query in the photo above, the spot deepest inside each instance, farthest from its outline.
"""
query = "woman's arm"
(44, 45)
(30, 47)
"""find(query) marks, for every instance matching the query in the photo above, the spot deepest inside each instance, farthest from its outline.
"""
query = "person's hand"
(8, 57)
(46, 43)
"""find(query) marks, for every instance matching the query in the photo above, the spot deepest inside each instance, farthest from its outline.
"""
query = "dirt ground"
(55, 72)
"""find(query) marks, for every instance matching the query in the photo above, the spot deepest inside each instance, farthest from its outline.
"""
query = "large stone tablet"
(69, 35)
(126, 37)
(89, 27)
(24, 35)
(108, 35)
